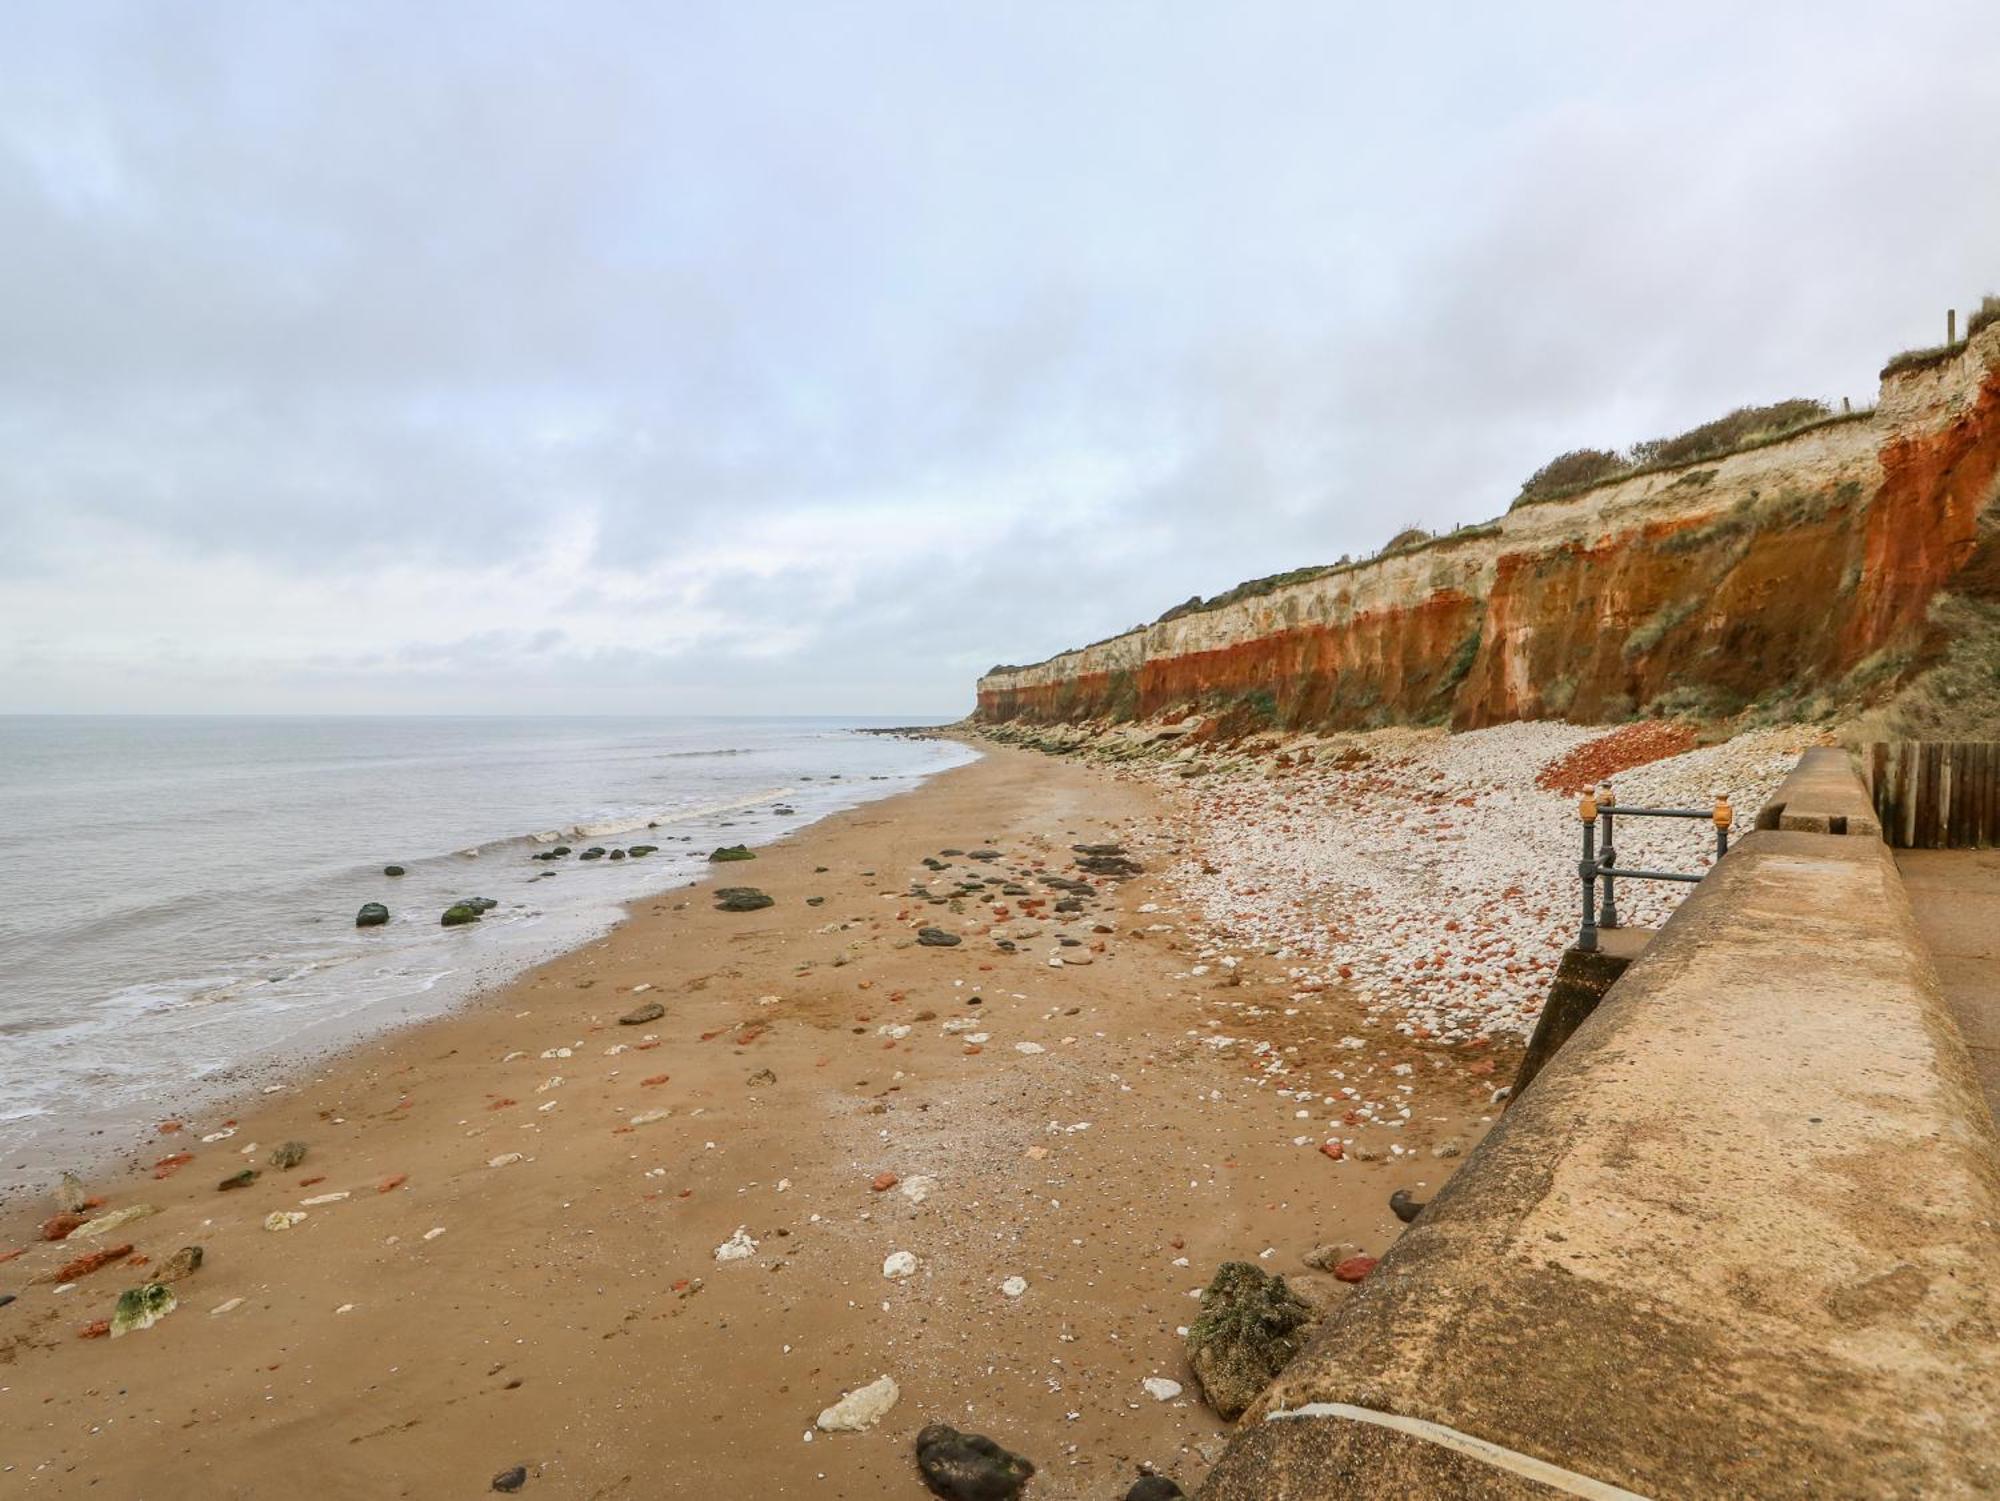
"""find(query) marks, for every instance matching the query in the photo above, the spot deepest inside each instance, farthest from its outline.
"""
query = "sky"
(811, 358)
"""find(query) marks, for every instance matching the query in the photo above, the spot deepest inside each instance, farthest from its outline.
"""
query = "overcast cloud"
(812, 357)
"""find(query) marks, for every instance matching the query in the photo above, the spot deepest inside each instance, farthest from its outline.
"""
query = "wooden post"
(1951, 325)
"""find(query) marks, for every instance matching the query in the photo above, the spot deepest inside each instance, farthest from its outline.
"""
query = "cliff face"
(1804, 567)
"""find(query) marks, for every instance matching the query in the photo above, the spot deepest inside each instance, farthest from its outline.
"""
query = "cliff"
(1810, 572)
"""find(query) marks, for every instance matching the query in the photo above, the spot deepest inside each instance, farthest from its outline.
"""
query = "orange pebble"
(389, 1185)
(884, 1181)
(656, 1079)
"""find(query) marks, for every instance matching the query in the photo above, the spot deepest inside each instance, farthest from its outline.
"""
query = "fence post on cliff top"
(1951, 325)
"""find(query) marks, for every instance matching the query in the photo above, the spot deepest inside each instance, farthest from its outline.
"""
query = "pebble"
(1013, 1287)
(738, 1247)
(898, 1265)
(861, 1408)
(1160, 1389)
(283, 1219)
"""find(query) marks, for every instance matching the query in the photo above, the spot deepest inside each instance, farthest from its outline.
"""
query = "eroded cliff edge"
(1828, 569)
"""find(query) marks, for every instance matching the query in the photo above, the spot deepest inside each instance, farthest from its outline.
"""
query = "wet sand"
(566, 1311)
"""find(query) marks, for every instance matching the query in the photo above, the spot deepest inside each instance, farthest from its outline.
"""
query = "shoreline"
(433, 985)
(1104, 1165)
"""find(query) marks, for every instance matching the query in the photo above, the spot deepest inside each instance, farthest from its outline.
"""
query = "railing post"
(1724, 817)
(1607, 858)
(1586, 870)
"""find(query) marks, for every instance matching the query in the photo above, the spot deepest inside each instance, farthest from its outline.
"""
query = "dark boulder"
(731, 852)
(371, 915)
(392, 870)
(1154, 1488)
(638, 1016)
(937, 938)
(595, 852)
(741, 899)
(969, 1466)
(640, 851)
(458, 914)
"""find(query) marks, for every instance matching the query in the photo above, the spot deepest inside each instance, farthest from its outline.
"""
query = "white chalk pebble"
(1013, 1287)
(1160, 1389)
(861, 1408)
(898, 1265)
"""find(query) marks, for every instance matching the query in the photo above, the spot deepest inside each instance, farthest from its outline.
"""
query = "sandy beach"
(511, 1217)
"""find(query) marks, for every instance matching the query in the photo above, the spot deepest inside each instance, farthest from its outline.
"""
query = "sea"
(178, 895)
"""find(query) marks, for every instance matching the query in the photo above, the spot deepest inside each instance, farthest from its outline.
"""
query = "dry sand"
(566, 1311)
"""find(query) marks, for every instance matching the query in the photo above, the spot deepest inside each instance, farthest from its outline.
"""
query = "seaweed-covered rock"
(618, 854)
(969, 1466)
(481, 903)
(937, 938)
(458, 914)
(371, 915)
(392, 870)
(287, 1155)
(560, 850)
(640, 851)
(731, 852)
(595, 852)
(741, 899)
(1250, 1327)
(141, 1308)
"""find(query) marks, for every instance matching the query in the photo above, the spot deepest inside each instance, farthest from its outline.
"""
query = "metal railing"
(1601, 865)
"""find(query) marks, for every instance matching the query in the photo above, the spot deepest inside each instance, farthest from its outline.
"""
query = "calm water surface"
(177, 896)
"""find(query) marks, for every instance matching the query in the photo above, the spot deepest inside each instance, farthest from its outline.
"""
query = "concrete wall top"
(1739, 1239)
(1821, 796)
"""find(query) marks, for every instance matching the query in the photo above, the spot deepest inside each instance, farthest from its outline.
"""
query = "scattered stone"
(511, 1480)
(1322, 1258)
(238, 1180)
(229, 1305)
(61, 1226)
(884, 1181)
(458, 914)
(937, 938)
(141, 1308)
(917, 1187)
(739, 1247)
(969, 1466)
(731, 852)
(178, 1267)
(762, 1079)
(5, 1299)
(741, 899)
(898, 1265)
(392, 870)
(1155, 1488)
(283, 1219)
(861, 1408)
(638, 1016)
(371, 915)
(1013, 1287)
(90, 1262)
(506, 1159)
(1160, 1389)
(287, 1155)
(1450, 1147)
(595, 852)
(1354, 1268)
(104, 1224)
(1251, 1325)
(71, 1195)
(1404, 1207)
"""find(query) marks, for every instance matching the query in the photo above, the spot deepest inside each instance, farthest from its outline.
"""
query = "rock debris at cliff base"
(1428, 874)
